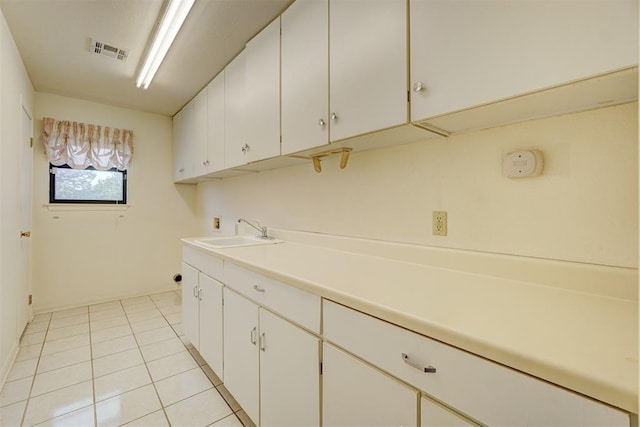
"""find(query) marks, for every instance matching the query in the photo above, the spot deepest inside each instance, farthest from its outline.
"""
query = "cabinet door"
(434, 415)
(215, 124)
(467, 53)
(263, 94)
(199, 133)
(182, 144)
(234, 117)
(305, 75)
(211, 323)
(289, 374)
(241, 351)
(356, 394)
(368, 66)
(190, 315)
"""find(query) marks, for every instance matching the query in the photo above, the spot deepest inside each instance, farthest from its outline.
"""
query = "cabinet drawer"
(208, 264)
(483, 390)
(298, 306)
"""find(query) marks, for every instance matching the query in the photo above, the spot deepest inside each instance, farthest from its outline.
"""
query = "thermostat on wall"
(522, 164)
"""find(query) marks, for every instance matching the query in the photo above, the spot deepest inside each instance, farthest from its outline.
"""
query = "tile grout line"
(93, 381)
(26, 406)
(36, 373)
(153, 383)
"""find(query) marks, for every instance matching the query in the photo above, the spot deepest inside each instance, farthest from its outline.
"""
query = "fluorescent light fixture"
(175, 13)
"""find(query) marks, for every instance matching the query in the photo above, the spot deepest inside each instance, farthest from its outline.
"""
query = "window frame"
(52, 189)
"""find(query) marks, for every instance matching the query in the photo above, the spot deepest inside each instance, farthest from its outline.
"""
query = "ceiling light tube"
(175, 13)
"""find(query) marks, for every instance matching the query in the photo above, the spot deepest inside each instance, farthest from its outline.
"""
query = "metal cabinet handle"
(181, 170)
(418, 86)
(245, 148)
(194, 291)
(258, 288)
(25, 234)
(321, 122)
(429, 369)
(253, 335)
(262, 342)
(334, 117)
(199, 293)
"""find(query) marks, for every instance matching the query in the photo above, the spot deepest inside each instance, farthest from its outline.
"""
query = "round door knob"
(321, 122)
(418, 86)
(334, 116)
(245, 148)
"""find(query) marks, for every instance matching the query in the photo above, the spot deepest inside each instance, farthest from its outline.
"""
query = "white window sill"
(61, 207)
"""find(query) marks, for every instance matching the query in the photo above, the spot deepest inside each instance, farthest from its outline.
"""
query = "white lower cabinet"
(435, 415)
(271, 366)
(289, 374)
(202, 315)
(480, 389)
(241, 351)
(355, 394)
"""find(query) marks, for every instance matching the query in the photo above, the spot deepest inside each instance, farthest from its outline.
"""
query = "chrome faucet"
(260, 228)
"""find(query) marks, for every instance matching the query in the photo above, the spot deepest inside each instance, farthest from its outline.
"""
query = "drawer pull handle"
(262, 342)
(428, 369)
(253, 335)
(258, 288)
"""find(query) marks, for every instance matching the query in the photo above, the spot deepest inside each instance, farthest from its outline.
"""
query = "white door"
(26, 168)
(211, 323)
(305, 75)
(368, 66)
(355, 394)
(190, 305)
(289, 374)
(241, 351)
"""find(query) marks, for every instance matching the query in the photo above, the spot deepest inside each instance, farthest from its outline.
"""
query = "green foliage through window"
(68, 185)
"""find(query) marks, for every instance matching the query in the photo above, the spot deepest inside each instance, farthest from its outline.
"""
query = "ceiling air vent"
(109, 51)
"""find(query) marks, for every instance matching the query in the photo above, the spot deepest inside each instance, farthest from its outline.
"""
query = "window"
(88, 185)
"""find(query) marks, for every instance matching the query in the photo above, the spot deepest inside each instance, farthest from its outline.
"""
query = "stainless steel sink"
(234, 241)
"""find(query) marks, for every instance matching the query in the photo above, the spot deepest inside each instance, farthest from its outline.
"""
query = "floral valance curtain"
(81, 145)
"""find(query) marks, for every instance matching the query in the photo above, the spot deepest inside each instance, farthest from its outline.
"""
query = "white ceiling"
(53, 37)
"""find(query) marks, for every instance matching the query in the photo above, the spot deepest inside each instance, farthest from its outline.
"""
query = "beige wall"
(84, 256)
(584, 208)
(16, 92)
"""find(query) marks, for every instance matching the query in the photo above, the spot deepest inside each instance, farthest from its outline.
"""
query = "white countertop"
(585, 342)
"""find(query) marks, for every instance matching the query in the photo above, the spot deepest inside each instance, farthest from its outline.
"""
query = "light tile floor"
(117, 363)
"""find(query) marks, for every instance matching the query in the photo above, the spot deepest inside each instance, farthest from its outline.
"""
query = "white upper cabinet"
(215, 125)
(234, 106)
(252, 100)
(199, 133)
(305, 75)
(262, 85)
(466, 53)
(183, 147)
(368, 66)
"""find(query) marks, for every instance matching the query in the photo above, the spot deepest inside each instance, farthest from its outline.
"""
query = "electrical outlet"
(439, 223)
(216, 223)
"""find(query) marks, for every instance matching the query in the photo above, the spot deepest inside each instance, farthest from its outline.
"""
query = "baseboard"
(73, 304)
